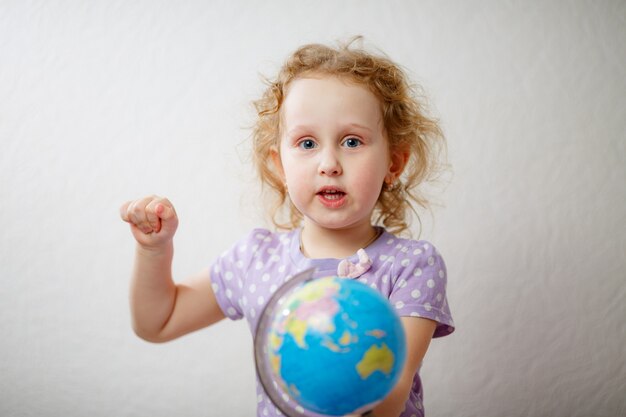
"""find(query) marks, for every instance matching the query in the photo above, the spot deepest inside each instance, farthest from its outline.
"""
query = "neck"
(317, 242)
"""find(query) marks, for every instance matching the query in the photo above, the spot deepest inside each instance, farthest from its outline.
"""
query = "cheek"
(291, 168)
(296, 176)
(370, 182)
(371, 190)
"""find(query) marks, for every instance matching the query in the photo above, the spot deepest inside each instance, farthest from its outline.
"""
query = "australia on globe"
(331, 346)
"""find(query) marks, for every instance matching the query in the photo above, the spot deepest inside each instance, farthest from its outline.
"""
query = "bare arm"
(419, 333)
(162, 310)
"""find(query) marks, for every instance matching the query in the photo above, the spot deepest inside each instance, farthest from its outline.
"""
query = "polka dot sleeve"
(228, 276)
(420, 285)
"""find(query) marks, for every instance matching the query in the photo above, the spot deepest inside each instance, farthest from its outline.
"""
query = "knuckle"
(135, 208)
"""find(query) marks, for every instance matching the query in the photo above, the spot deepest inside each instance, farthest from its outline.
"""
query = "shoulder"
(257, 238)
(403, 252)
(237, 272)
(260, 244)
(261, 238)
(409, 261)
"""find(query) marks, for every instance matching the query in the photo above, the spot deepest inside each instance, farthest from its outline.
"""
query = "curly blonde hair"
(405, 123)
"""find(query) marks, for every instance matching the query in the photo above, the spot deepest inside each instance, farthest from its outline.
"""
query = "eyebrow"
(307, 128)
(295, 131)
(358, 126)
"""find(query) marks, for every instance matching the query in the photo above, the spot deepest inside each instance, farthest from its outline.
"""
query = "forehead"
(329, 98)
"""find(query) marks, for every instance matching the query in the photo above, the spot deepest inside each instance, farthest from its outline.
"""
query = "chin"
(335, 224)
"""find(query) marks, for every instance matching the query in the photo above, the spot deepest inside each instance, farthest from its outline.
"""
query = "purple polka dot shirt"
(410, 273)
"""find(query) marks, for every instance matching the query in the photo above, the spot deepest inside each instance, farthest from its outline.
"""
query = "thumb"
(165, 212)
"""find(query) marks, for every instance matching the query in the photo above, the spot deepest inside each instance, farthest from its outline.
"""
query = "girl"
(342, 143)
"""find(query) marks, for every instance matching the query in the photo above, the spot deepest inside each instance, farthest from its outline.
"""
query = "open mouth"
(331, 194)
(332, 197)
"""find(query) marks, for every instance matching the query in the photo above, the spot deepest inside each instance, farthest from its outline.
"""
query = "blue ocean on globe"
(336, 346)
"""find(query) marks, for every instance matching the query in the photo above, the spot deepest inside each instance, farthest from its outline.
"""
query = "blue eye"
(307, 144)
(352, 142)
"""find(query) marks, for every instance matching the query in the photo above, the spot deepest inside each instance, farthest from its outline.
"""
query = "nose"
(329, 164)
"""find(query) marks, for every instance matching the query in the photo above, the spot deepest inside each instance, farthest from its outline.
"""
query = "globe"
(328, 346)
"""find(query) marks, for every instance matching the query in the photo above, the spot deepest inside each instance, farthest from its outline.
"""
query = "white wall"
(102, 101)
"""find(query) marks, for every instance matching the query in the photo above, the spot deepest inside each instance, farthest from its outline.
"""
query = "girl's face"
(334, 156)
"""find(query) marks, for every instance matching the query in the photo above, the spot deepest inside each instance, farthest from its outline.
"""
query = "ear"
(275, 155)
(398, 160)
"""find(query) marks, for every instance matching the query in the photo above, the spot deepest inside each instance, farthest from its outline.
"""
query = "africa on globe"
(330, 346)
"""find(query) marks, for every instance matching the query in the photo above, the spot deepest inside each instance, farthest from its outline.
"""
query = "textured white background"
(102, 101)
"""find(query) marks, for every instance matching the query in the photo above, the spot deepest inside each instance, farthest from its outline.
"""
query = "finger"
(124, 211)
(137, 214)
(152, 215)
(165, 211)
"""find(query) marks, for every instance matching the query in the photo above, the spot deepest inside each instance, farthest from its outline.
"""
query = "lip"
(331, 197)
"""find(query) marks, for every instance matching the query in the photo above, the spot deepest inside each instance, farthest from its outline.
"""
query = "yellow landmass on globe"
(275, 362)
(343, 344)
(328, 344)
(297, 328)
(346, 338)
(376, 359)
(275, 341)
(311, 309)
